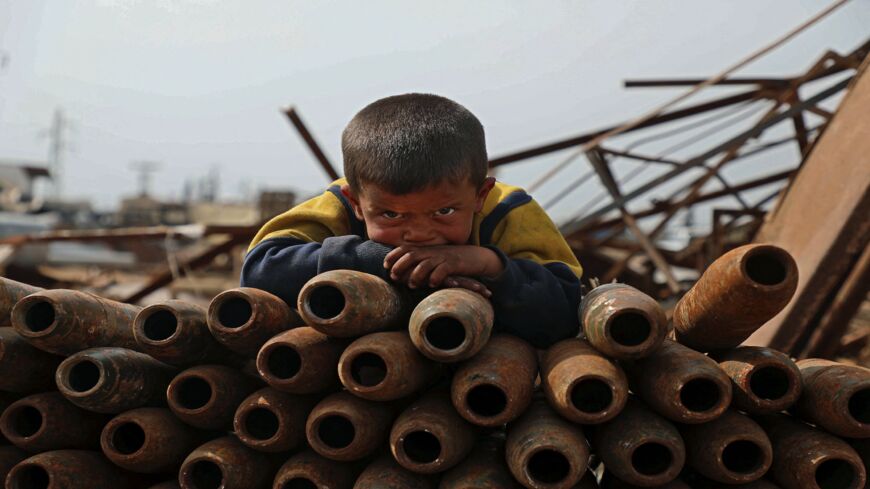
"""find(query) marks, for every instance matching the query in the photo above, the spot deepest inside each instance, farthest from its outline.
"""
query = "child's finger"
(420, 275)
(394, 255)
(405, 264)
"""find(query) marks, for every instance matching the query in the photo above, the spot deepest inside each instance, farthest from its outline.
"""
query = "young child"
(417, 208)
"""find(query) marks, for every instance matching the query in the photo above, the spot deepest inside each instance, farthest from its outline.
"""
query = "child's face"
(438, 215)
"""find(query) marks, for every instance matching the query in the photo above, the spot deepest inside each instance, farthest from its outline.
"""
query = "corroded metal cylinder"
(495, 386)
(300, 361)
(385, 473)
(429, 436)
(226, 463)
(10, 456)
(24, 368)
(385, 366)
(608, 481)
(309, 470)
(581, 384)
(348, 303)
(807, 458)
(68, 469)
(206, 396)
(10, 293)
(640, 447)
(836, 397)
(344, 427)
(485, 468)
(272, 421)
(544, 451)
(244, 318)
(173, 484)
(451, 325)
(47, 421)
(148, 440)
(66, 321)
(763, 380)
(681, 384)
(759, 484)
(112, 380)
(622, 322)
(731, 449)
(735, 296)
(176, 333)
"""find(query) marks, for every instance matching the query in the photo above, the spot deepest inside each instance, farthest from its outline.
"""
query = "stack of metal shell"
(361, 388)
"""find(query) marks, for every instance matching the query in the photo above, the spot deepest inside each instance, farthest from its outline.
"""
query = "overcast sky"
(198, 83)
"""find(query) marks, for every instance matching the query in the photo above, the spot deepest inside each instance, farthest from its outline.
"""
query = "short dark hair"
(408, 142)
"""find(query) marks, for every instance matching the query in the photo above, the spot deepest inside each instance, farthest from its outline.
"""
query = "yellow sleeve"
(527, 232)
(312, 221)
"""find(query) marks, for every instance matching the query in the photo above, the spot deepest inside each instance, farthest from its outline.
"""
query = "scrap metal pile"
(364, 388)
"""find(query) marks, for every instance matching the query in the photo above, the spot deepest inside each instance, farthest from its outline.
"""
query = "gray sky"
(198, 83)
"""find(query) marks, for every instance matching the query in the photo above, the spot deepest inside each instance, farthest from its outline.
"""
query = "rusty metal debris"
(623, 322)
(496, 385)
(836, 397)
(24, 368)
(347, 304)
(300, 361)
(272, 421)
(743, 289)
(731, 449)
(175, 332)
(206, 396)
(228, 464)
(48, 421)
(243, 319)
(581, 384)
(451, 325)
(148, 440)
(385, 473)
(308, 469)
(385, 366)
(344, 427)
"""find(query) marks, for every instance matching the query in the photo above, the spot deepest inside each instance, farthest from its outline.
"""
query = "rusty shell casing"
(731, 449)
(206, 396)
(348, 303)
(226, 463)
(623, 322)
(244, 318)
(47, 421)
(300, 361)
(10, 456)
(495, 386)
(66, 321)
(451, 325)
(836, 397)
(385, 473)
(759, 484)
(485, 468)
(640, 447)
(385, 366)
(807, 458)
(345, 427)
(735, 296)
(582, 384)
(544, 451)
(69, 469)
(273, 421)
(173, 484)
(608, 481)
(309, 470)
(24, 368)
(430, 436)
(148, 440)
(176, 333)
(112, 380)
(763, 380)
(10, 293)
(681, 384)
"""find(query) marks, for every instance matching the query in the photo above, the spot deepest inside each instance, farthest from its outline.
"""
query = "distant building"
(17, 180)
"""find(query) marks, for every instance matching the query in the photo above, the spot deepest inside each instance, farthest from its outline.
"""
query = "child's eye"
(391, 215)
(445, 211)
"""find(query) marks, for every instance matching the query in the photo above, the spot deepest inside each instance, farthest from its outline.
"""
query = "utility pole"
(145, 169)
(57, 146)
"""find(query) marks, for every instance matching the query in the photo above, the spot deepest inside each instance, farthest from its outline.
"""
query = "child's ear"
(482, 192)
(354, 201)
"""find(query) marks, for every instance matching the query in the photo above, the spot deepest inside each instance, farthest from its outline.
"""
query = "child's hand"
(432, 265)
(468, 283)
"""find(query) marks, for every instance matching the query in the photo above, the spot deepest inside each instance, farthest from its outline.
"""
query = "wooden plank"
(822, 220)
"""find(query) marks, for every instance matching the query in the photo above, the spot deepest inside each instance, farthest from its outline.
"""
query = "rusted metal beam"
(312, 144)
(764, 82)
(584, 138)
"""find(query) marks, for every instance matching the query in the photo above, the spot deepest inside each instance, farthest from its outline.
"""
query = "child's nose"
(416, 233)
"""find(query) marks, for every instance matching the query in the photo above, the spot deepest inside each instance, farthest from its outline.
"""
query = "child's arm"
(311, 238)
(528, 266)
